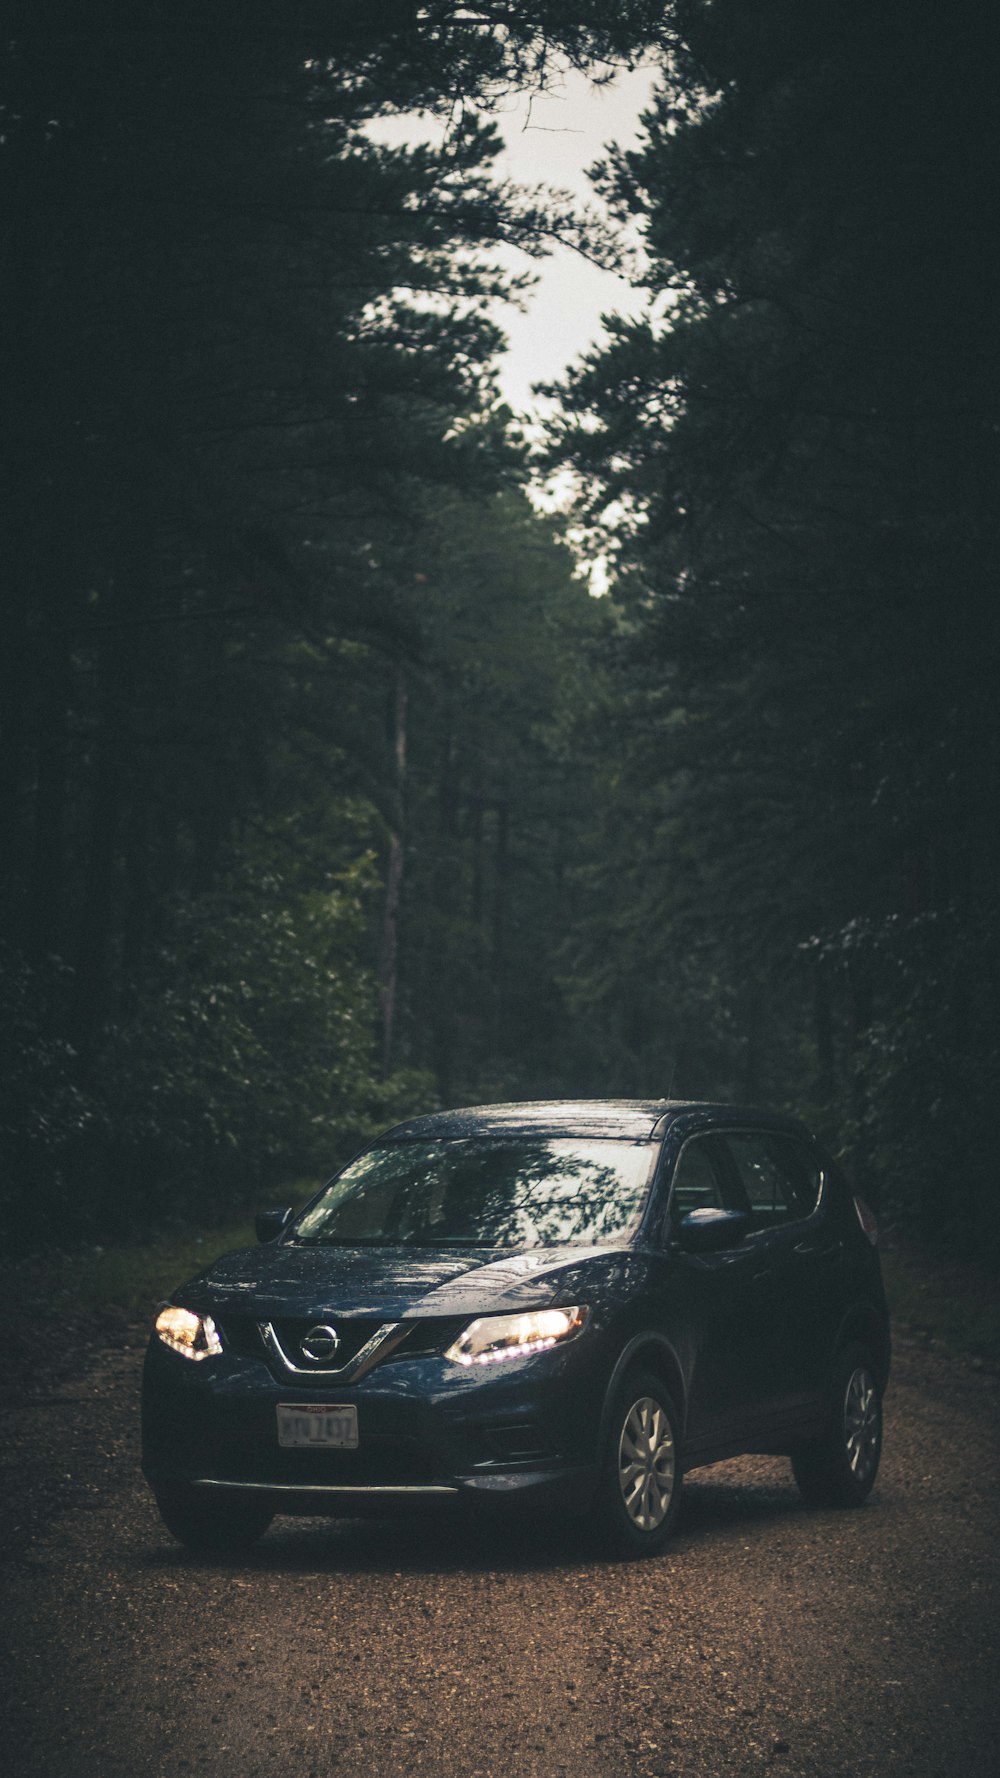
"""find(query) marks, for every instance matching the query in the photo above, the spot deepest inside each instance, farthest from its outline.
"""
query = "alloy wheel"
(861, 1423)
(646, 1464)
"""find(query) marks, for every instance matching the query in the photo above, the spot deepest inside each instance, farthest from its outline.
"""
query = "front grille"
(241, 1334)
(433, 1333)
(354, 1331)
(425, 1337)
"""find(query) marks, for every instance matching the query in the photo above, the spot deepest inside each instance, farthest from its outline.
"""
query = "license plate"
(332, 1428)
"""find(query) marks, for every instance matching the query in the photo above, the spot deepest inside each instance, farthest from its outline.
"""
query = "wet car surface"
(557, 1304)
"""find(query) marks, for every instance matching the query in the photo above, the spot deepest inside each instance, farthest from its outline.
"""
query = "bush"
(242, 1058)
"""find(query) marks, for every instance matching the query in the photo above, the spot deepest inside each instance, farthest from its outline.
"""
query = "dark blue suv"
(568, 1303)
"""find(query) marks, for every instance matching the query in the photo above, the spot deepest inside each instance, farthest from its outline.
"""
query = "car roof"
(634, 1119)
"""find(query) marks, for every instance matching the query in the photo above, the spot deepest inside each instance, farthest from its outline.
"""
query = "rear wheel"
(213, 1522)
(639, 1489)
(840, 1469)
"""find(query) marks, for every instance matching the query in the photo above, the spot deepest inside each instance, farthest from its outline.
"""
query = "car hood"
(393, 1282)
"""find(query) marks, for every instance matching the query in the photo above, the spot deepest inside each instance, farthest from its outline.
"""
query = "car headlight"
(493, 1337)
(195, 1336)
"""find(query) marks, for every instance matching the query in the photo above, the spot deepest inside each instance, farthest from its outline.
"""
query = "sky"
(552, 139)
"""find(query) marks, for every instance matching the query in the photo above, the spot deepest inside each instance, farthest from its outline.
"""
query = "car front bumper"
(429, 1432)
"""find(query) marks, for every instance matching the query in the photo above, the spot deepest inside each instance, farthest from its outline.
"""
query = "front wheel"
(840, 1469)
(213, 1522)
(640, 1484)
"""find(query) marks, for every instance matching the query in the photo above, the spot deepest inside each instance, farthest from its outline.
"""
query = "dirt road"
(767, 1639)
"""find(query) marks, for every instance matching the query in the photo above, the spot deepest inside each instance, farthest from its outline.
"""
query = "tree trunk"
(500, 884)
(751, 1053)
(394, 883)
(823, 1022)
(477, 860)
(48, 862)
(100, 909)
(861, 1003)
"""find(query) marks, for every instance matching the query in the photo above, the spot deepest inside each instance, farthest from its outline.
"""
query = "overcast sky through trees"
(553, 139)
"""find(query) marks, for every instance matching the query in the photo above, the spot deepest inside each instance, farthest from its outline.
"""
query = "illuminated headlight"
(493, 1337)
(196, 1336)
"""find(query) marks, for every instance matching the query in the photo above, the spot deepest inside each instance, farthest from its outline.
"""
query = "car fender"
(662, 1359)
(863, 1322)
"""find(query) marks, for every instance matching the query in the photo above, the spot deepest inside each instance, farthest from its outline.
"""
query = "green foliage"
(308, 727)
(250, 347)
(261, 482)
(955, 1306)
(493, 798)
(245, 1055)
(788, 463)
(130, 1278)
(264, 1008)
(930, 1050)
(45, 1115)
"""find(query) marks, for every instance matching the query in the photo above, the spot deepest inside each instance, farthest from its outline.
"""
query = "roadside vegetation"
(951, 1307)
(328, 793)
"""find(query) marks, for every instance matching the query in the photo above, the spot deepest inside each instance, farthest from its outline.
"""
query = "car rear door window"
(801, 1168)
(780, 1180)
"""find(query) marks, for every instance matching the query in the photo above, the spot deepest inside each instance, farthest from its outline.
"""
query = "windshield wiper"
(450, 1241)
(339, 1241)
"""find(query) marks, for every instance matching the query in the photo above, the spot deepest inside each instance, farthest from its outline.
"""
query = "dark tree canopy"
(249, 387)
(327, 790)
(793, 463)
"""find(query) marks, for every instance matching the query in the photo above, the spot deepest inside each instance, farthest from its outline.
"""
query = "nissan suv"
(568, 1303)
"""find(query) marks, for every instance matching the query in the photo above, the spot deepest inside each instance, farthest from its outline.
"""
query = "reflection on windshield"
(531, 1192)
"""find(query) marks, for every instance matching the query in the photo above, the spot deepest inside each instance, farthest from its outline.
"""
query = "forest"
(329, 791)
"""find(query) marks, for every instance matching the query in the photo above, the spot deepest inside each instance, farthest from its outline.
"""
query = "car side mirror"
(269, 1224)
(708, 1231)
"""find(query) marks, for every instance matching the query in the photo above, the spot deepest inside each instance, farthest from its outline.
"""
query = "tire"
(219, 1522)
(639, 1489)
(840, 1469)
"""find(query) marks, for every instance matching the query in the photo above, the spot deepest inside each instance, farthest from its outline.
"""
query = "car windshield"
(533, 1191)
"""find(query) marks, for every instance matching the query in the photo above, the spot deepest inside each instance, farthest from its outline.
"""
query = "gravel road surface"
(767, 1639)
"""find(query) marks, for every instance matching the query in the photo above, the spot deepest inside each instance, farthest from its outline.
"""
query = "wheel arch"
(863, 1324)
(654, 1353)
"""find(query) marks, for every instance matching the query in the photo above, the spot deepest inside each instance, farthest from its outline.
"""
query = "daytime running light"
(495, 1337)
